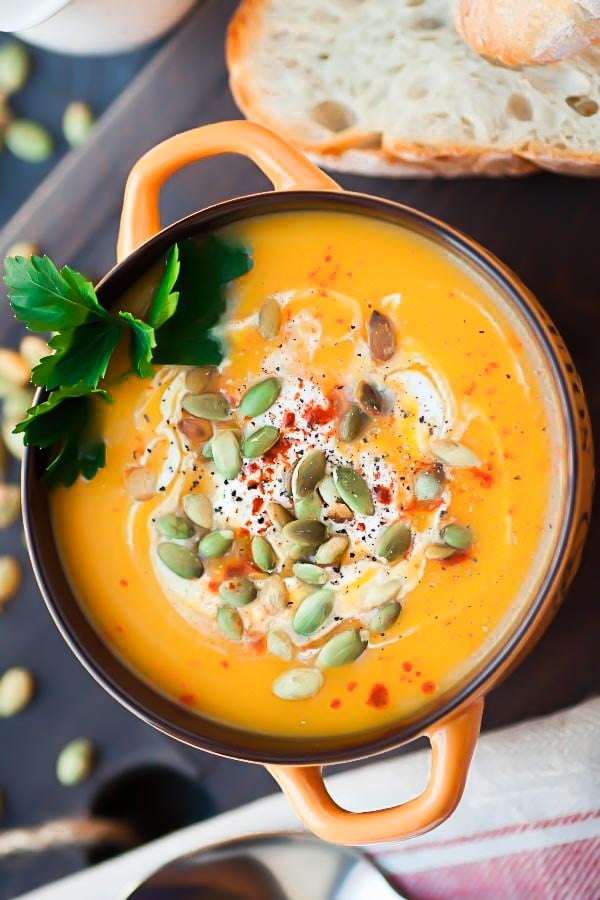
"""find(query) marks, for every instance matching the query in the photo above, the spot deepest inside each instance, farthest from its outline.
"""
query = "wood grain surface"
(545, 227)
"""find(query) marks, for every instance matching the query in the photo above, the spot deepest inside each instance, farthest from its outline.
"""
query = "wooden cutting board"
(545, 227)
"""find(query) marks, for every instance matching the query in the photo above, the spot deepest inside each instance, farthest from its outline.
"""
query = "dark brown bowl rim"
(238, 744)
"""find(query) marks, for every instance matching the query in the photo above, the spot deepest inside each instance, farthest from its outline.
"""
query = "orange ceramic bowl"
(453, 725)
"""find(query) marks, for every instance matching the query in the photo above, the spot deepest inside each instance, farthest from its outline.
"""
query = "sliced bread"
(387, 87)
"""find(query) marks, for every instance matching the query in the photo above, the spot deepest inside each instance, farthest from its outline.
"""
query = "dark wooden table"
(545, 227)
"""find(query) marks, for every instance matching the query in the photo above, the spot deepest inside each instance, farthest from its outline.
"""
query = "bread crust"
(371, 153)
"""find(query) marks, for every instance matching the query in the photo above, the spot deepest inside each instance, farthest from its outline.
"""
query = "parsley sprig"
(187, 304)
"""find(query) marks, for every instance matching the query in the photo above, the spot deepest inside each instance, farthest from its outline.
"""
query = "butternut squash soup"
(327, 530)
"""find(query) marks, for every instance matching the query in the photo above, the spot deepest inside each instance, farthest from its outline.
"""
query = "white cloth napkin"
(528, 825)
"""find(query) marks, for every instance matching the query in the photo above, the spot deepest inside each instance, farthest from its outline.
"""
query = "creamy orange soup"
(447, 433)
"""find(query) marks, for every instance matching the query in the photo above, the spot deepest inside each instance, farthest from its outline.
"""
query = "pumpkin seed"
(309, 573)
(298, 684)
(199, 380)
(305, 532)
(215, 544)
(196, 431)
(353, 490)
(307, 473)
(339, 512)
(328, 490)
(341, 649)
(354, 422)
(226, 454)
(294, 552)
(269, 319)
(180, 560)
(207, 450)
(273, 593)
(384, 617)
(439, 551)
(32, 347)
(308, 507)
(75, 762)
(16, 691)
(27, 249)
(382, 337)
(279, 644)
(260, 397)
(313, 611)
(140, 483)
(279, 515)
(369, 398)
(393, 541)
(198, 509)
(10, 506)
(263, 554)
(229, 623)
(77, 122)
(174, 527)
(237, 591)
(332, 550)
(214, 407)
(454, 454)
(379, 593)
(14, 67)
(260, 441)
(459, 537)
(28, 140)
(428, 486)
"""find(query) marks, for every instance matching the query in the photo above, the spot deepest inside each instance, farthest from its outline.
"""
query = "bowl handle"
(452, 745)
(286, 168)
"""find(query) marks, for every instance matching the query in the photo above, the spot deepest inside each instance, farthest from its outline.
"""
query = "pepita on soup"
(180, 560)
(354, 490)
(298, 684)
(307, 473)
(212, 406)
(237, 591)
(384, 616)
(260, 397)
(174, 527)
(230, 623)
(279, 644)
(198, 509)
(226, 454)
(354, 423)
(394, 541)
(215, 544)
(457, 536)
(260, 441)
(341, 649)
(313, 611)
(263, 554)
(269, 319)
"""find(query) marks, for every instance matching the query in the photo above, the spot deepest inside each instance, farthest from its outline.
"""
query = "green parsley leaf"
(164, 302)
(46, 299)
(82, 355)
(143, 342)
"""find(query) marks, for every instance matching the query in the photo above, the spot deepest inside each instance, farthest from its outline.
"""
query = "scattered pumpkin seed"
(140, 483)
(197, 432)
(354, 422)
(180, 560)
(439, 551)
(279, 644)
(353, 490)
(378, 593)
(393, 541)
(198, 509)
(384, 617)
(75, 762)
(263, 554)
(279, 515)
(214, 407)
(13, 367)
(269, 319)
(16, 691)
(305, 532)
(339, 512)
(77, 122)
(200, 379)
(428, 486)
(328, 490)
(298, 684)
(295, 552)
(32, 348)
(27, 249)
(207, 450)
(332, 550)
(309, 573)
(307, 473)
(369, 398)
(273, 593)
(341, 649)
(313, 611)
(308, 507)
(10, 506)
(174, 527)
(260, 397)
(14, 67)
(13, 442)
(261, 440)
(459, 537)
(237, 591)
(215, 544)
(229, 623)
(226, 454)
(454, 454)
(382, 337)
(28, 140)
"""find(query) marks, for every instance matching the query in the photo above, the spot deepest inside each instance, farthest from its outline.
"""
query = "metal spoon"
(279, 866)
